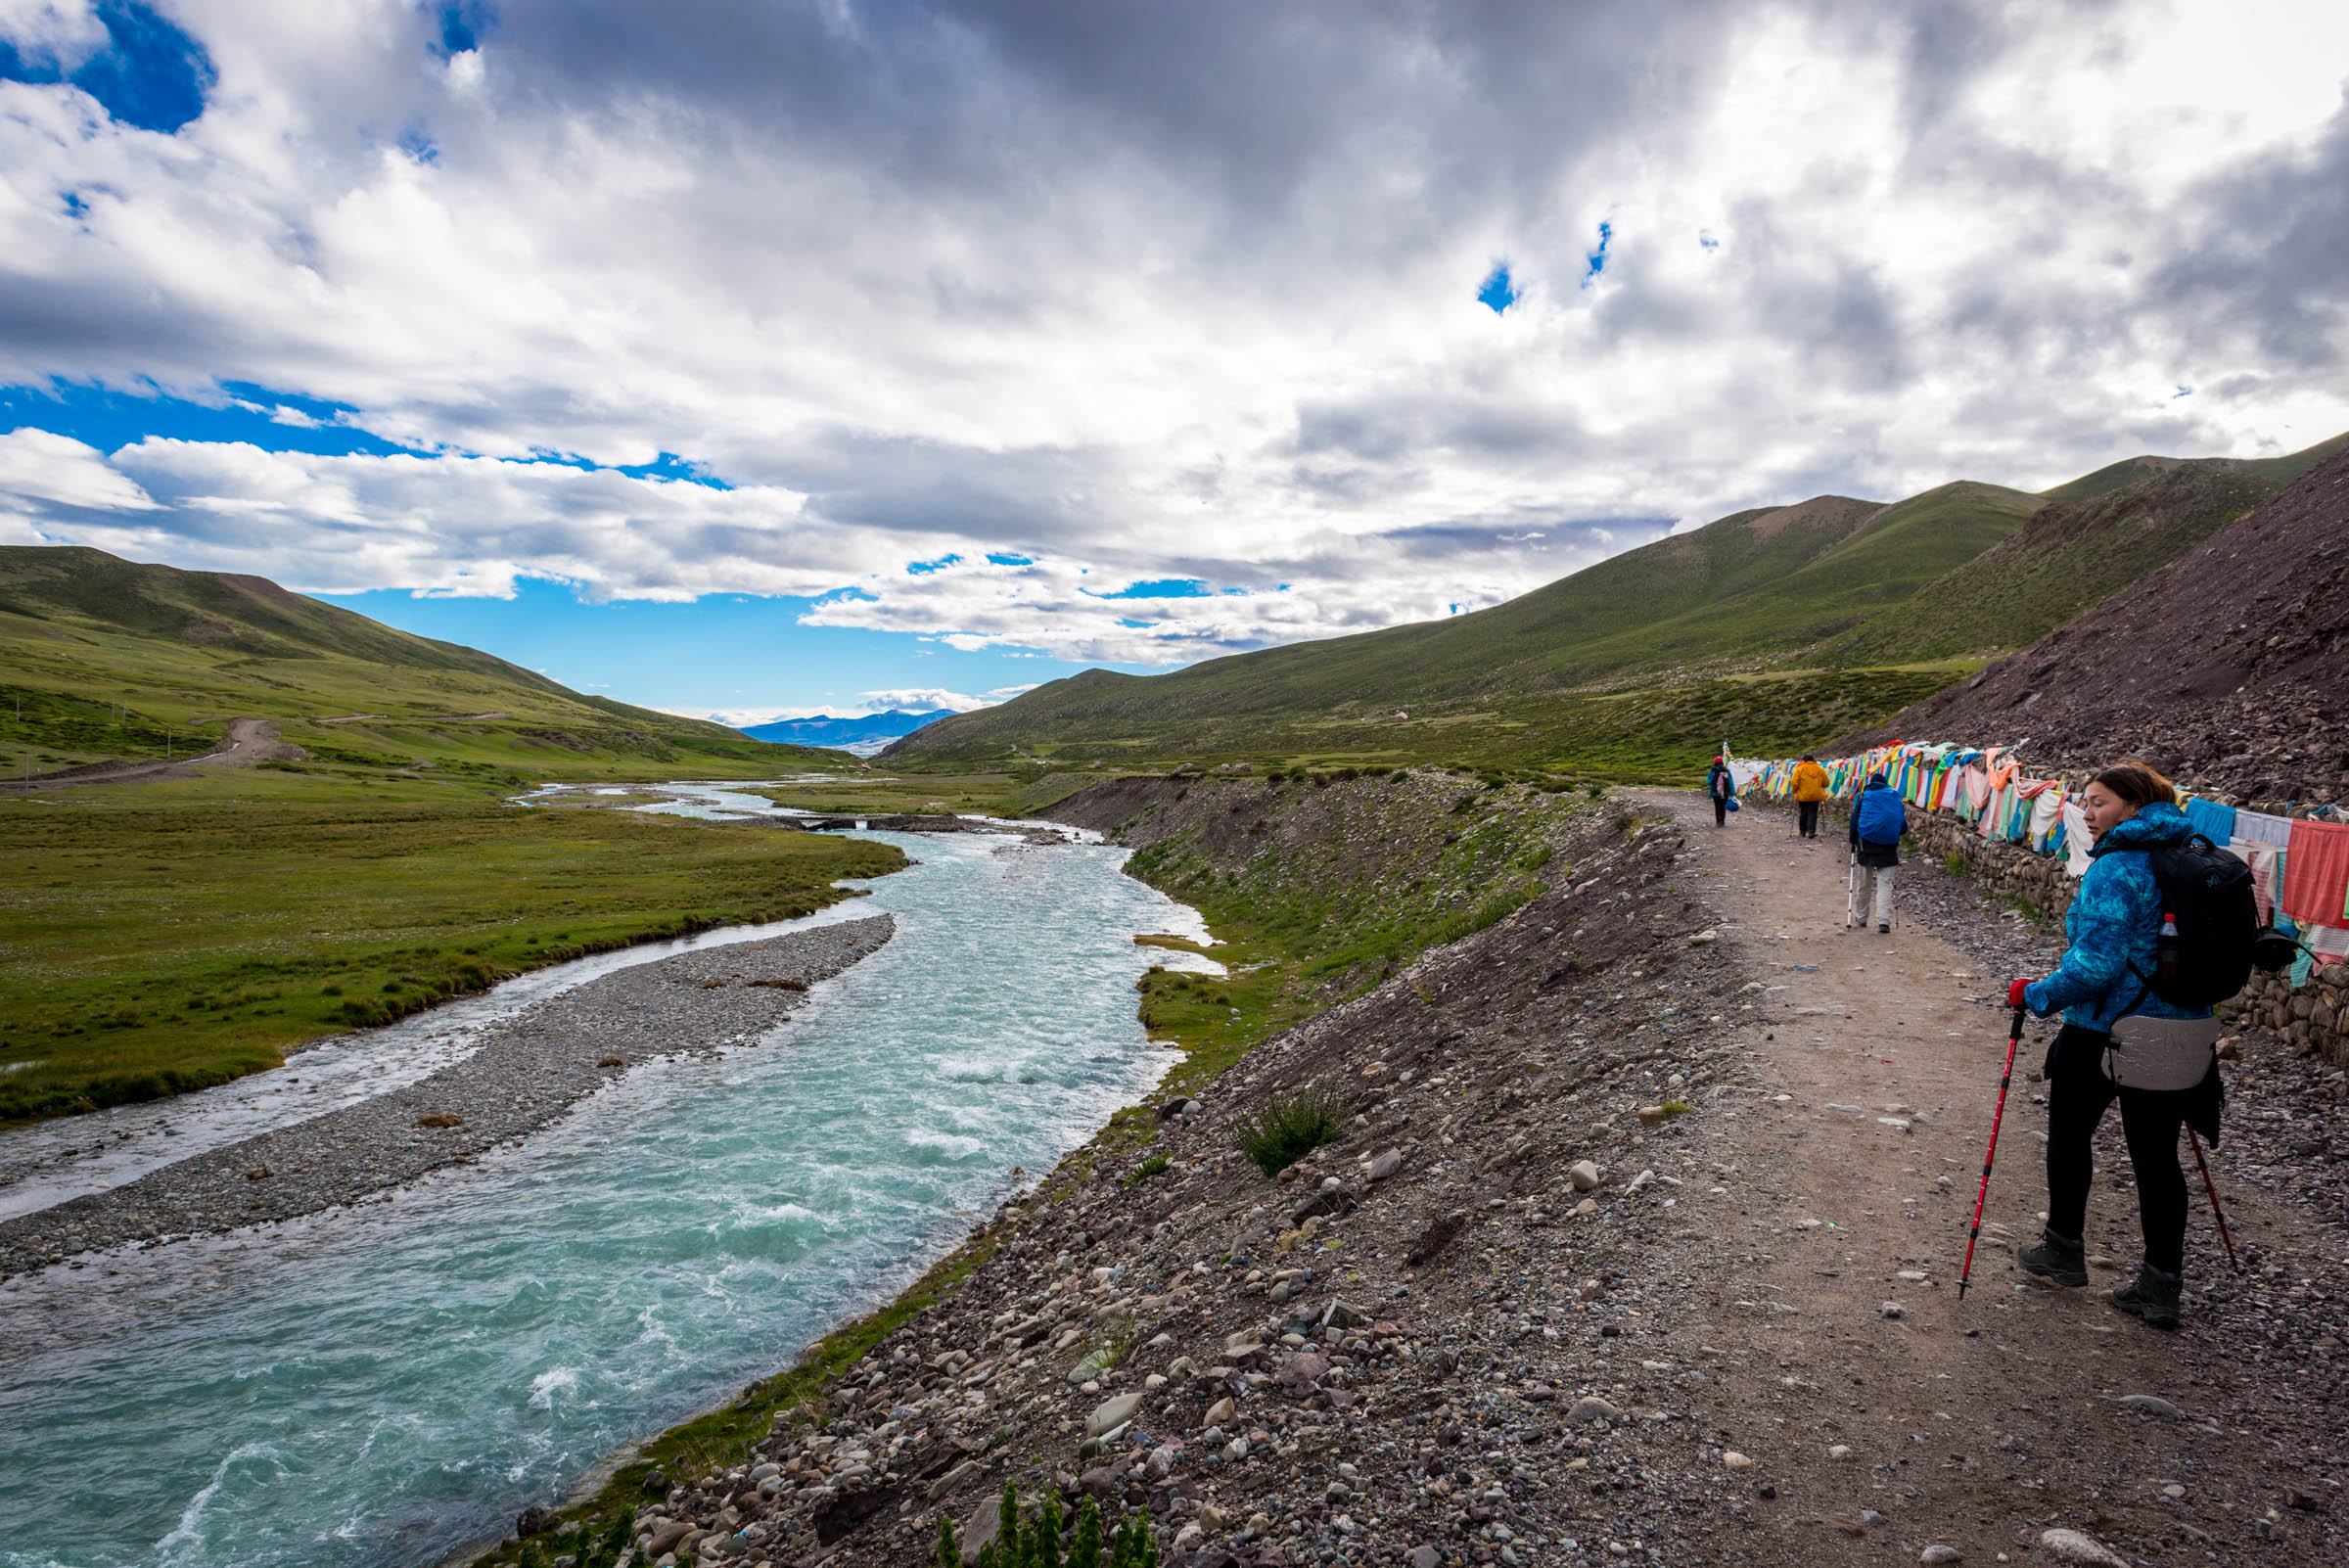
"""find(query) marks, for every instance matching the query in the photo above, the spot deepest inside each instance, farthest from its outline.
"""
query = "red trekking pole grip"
(2014, 1038)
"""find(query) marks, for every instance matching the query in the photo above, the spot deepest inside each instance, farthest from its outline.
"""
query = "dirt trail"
(247, 741)
(1848, 1184)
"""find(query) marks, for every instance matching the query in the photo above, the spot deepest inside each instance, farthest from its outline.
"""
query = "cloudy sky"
(753, 355)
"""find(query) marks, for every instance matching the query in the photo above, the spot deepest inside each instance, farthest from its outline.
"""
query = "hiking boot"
(2055, 1257)
(2153, 1296)
(1884, 928)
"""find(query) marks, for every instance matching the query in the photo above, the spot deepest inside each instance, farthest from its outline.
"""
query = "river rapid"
(381, 1384)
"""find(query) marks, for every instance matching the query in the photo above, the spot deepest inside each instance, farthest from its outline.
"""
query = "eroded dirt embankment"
(1639, 1243)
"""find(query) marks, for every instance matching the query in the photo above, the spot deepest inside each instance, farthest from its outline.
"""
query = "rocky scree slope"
(2225, 668)
(1412, 1346)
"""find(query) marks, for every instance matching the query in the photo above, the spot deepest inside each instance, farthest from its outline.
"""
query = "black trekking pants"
(2077, 1095)
(1808, 811)
(1721, 810)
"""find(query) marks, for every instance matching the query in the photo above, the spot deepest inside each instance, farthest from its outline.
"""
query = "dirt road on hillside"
(1979, 1425)
(247, 741)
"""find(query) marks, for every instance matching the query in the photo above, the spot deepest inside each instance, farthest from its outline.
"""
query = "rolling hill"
(1778, 626)
(105, 658)
(2226, 666)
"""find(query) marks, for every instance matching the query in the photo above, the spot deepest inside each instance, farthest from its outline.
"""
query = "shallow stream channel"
(380, 1385)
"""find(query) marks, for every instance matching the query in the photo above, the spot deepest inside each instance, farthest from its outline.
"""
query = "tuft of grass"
(1154, 1165)
(1289, 1128)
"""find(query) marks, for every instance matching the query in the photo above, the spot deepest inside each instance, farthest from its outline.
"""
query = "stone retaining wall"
(2316, 1015)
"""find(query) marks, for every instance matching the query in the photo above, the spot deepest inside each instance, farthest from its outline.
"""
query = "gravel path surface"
(527, 1071)
(1638, 1245)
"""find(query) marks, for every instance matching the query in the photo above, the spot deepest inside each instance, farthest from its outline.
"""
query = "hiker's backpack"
(2210, 932)
(1883, 818)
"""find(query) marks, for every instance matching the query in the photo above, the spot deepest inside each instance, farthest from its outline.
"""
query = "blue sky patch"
(1596, 262)
(150, 75)
(922, 569)
(462, 26)
(1160, 588)
(1498, 292)
(1010, 558)
(109, 419)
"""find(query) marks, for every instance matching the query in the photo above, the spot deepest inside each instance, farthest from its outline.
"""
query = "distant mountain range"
(862, 734)
(1776, 628)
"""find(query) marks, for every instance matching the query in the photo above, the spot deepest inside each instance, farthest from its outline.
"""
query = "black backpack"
(2211, 938)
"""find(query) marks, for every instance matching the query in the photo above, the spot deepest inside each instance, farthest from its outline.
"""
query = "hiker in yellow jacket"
(1810, 789)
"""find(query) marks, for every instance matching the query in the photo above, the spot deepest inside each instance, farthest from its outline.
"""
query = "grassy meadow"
(163, 937)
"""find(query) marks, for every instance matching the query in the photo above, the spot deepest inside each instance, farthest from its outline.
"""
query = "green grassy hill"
(2091, 539)
(106, 658)
(1767, 628)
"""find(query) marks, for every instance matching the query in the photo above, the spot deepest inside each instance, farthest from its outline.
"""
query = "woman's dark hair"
(2137, 784)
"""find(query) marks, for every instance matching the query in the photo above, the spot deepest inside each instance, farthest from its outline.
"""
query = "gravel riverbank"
(527, 1071)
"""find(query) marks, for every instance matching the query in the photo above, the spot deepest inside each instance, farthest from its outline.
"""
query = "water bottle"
(2166, 949)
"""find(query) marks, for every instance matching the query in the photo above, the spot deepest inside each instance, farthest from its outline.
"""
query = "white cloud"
(41, 472)
(1144, 292)
(57, 34)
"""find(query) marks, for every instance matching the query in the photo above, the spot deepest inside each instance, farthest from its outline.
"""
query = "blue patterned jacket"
(2115, 924)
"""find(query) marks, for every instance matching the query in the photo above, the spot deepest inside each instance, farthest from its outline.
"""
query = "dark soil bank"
(527, 1073)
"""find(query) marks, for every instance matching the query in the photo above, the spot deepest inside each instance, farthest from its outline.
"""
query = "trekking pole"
(2014, 1038)
(2216, 1213)
(1850, 887)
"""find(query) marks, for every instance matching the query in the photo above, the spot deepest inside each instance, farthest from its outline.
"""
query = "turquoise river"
(378, 1387)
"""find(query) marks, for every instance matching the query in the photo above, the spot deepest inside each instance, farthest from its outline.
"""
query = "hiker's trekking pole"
(2014, 1038)
(1850, 887)
(2216, 1213)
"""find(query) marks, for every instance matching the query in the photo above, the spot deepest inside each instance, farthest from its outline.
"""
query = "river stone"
(1583, 1175)
(1111, 1413)
(2076, 1546)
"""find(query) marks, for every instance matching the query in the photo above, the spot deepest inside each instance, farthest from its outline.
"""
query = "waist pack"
(2161, 1053)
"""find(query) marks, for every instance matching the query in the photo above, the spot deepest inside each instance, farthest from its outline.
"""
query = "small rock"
(1649, 1115)
(1893, 1309)
(1386, 1165)
(1112, 1413)
(1735, 1460)
(1189, 1539)
(2152, 1404)
(1583, 1175)
(1424, 1556)
(1940, 1552)
(1839, 1451)
(1705, 938)
(1222, 1411)
(2075, 1546)
(1590, 1407)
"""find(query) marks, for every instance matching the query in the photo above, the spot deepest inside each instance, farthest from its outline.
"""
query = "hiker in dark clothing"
(2114, 931)
(1721, 785)
(1878, 820)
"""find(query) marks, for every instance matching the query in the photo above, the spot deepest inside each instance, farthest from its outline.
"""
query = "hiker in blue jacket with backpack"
(1879, 817)
(2122, 1039)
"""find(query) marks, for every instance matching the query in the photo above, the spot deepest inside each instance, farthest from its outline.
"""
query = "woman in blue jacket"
(2114, 927)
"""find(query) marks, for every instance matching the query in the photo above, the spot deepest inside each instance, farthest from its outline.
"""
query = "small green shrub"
(1290, 1126)
(1149, 1168)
